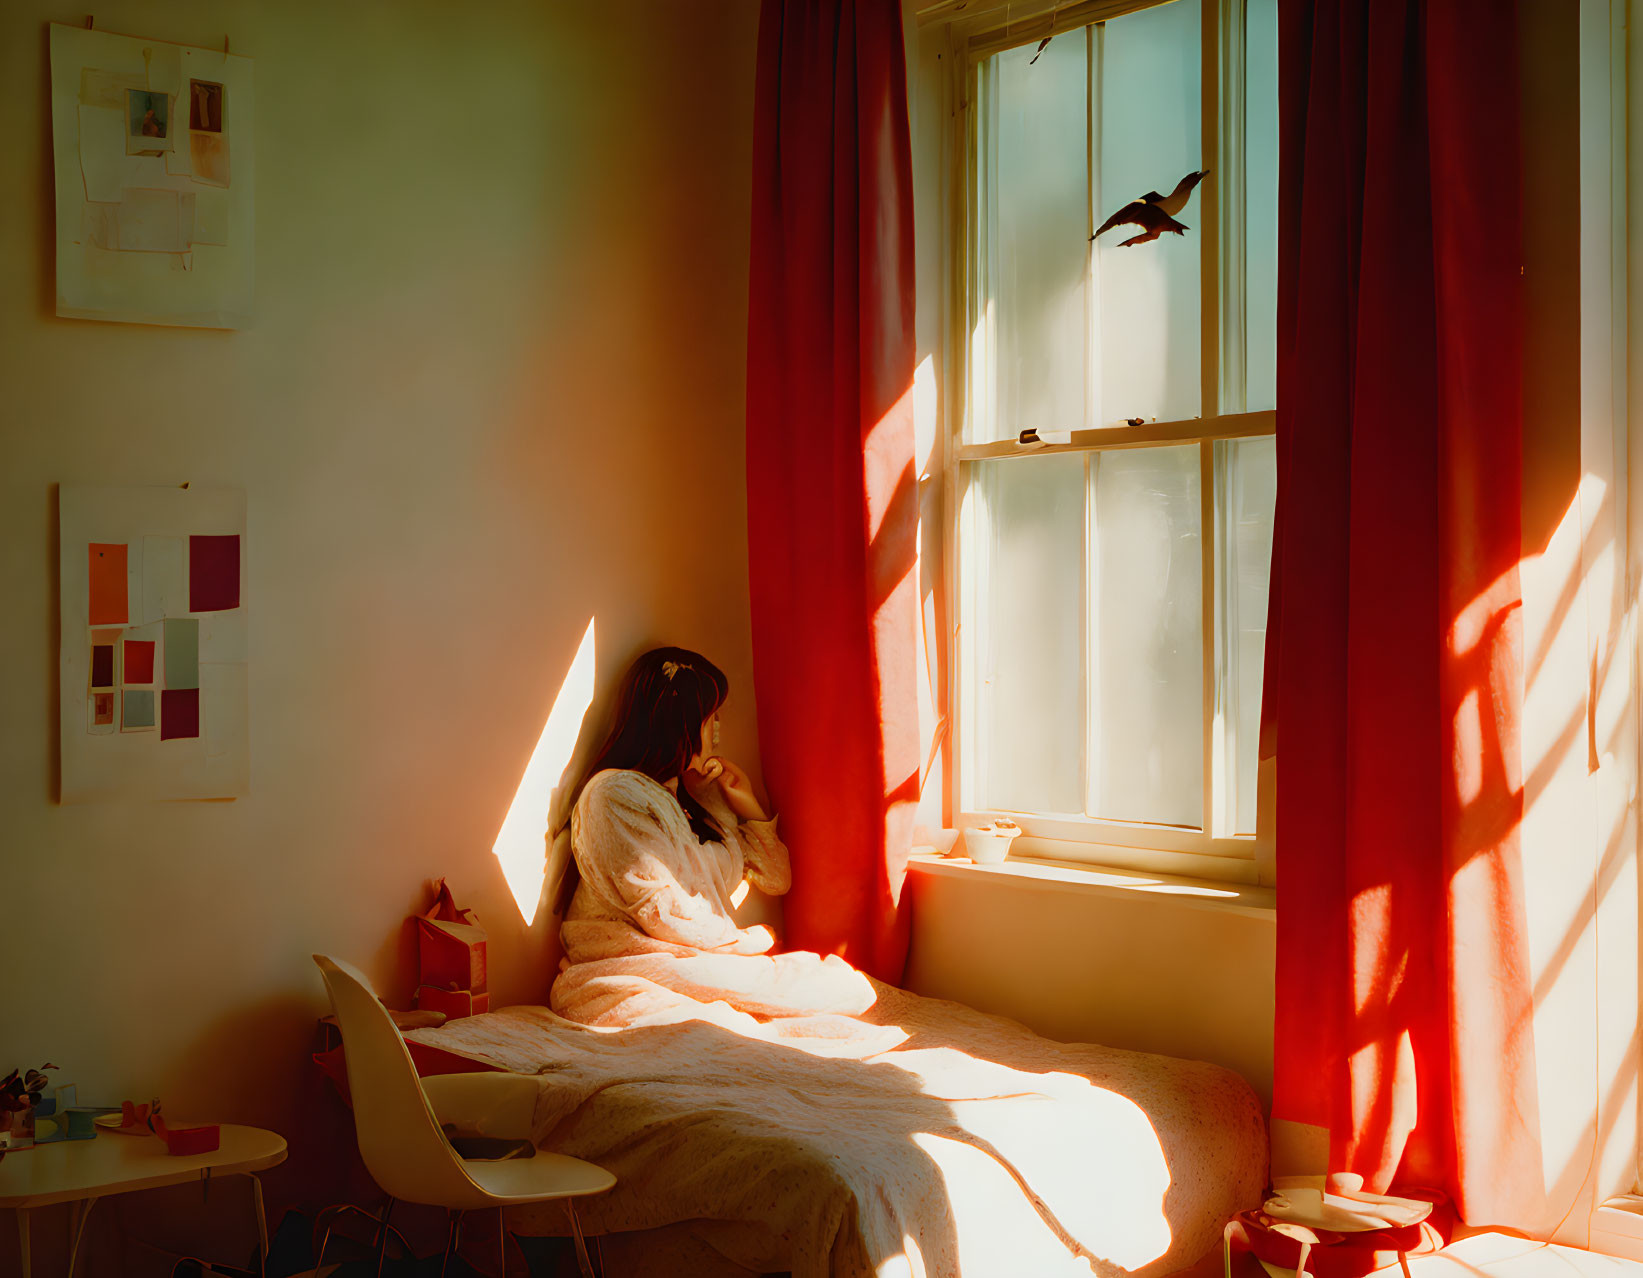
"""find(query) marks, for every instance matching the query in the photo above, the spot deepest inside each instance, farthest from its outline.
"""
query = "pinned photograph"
(204, 106)
(150, 228)
(148, 122)
(208, 152)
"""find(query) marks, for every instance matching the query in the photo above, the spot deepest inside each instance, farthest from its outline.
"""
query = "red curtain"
(831, 491)
(1394, 653)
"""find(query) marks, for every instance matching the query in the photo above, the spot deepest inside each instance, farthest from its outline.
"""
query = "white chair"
(397, 1119)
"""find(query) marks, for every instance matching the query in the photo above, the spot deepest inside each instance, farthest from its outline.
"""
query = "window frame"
(1200, 852)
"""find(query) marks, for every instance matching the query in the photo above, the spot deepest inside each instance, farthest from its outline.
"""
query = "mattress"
(975, 1146)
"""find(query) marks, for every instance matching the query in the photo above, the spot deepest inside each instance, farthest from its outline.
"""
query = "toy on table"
(452, 953)
(133, 1119)
(61, 1117)
(20, 1093)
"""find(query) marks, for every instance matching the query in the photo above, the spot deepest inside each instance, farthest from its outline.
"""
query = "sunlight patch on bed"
(1102, 1181)
(520, 844)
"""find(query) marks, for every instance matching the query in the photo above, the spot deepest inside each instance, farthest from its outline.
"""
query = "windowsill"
(1063, 876)
(1622, 1216)
(1617, 1228)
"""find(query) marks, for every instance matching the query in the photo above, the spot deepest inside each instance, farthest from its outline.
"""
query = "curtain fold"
(832, 498)
(1394, 647)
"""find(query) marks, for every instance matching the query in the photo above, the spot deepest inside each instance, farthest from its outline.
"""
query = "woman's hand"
(734, 785)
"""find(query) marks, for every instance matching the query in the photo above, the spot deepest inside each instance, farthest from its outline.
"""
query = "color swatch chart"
(153, 660)
(145, 644)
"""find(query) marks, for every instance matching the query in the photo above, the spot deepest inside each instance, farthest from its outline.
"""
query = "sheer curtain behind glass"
(1040, 260)
(1260, 151)
(1146, 637)
(1149, 136)
(1032, 660)
(1247, 475)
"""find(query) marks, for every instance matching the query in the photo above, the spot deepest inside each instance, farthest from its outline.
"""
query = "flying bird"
(1154, 213)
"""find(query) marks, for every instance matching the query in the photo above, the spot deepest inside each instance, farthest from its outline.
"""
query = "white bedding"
(975, 1146)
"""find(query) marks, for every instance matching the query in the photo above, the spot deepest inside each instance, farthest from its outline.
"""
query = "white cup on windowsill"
(990, 844)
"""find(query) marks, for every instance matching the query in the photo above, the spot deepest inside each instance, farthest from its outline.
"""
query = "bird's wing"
(1154, 222)
(1135, 211)
(1177, 199)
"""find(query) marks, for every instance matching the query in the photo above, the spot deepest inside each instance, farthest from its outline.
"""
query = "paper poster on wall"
(154, 162)
(153, 686)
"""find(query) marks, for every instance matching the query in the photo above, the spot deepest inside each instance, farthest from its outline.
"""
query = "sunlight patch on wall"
(1578, 842)
(521, 843)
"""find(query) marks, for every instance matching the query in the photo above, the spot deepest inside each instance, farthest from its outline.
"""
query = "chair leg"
(324, 1242)
(582, 1261)
(325, 1223)
(382, 1236)
(327, 1217)
(452, 1235)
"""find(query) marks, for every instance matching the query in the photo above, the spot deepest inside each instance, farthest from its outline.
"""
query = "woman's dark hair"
(665, 698)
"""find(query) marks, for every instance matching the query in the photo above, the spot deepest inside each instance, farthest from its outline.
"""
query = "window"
(1112, 578)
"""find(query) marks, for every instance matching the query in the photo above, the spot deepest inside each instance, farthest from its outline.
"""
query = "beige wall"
(493, 387)
(1084, 964)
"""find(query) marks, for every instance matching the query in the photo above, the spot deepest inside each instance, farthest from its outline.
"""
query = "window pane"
(1146, 637)
(1150, 76)
(1038, 233)
(1030, 654)
(1247, 473)
(1261, 203)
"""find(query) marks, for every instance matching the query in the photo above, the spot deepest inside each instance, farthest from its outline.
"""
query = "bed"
(973, 1146)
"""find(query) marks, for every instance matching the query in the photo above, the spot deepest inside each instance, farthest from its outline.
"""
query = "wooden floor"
(1480, 1256)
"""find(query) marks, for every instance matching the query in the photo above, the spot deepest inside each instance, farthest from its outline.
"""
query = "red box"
(452, 954)
(454, 1003)
(452, 946)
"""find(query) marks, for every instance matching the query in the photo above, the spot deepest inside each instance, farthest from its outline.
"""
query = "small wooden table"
(81, 1171)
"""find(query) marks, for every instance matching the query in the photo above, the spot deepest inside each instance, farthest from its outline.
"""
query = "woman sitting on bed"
(664, 831)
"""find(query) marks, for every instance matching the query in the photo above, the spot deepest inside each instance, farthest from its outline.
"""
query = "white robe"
(650, 939)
